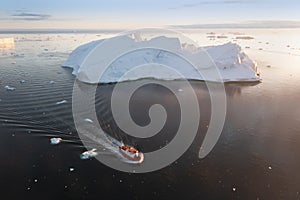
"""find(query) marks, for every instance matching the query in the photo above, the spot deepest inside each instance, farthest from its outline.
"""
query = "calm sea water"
(255, 158)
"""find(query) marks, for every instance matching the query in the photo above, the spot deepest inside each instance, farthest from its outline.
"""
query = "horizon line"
(263, 24)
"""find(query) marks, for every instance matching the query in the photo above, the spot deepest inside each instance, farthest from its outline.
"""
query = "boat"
(131, 154)
(128, 153)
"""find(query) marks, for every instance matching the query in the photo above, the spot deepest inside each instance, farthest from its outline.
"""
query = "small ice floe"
(22, 81)
(269, 167)
(89, 154)
(55, 141)
(51, 82)
(88, 120)
(9, 88)
(180, 90)
(61, 102)
(233, 189)
(71, 169)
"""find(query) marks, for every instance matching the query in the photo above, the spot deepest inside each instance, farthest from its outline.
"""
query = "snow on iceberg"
(232, 63)
(77, 57)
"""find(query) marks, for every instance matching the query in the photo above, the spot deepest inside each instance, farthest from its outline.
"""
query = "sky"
(124, 14)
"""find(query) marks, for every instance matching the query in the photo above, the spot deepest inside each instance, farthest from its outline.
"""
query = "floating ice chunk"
(55, 141)
(22, 81)
(71, 169)
(88, 154)
(51, 82)
(269, 167)
(61, 102)
(180, 90)
(88, 120)
(233, 189)
(9, 88)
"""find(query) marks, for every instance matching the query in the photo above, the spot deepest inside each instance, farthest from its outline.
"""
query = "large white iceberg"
(230, 61)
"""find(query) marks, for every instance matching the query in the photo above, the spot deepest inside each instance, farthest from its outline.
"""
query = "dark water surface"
(256, 157)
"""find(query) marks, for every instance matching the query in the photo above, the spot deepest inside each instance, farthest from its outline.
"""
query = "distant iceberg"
(232, 63)
(7, 42)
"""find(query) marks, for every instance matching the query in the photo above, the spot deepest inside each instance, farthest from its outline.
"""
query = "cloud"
(30, 16)
(223, 2)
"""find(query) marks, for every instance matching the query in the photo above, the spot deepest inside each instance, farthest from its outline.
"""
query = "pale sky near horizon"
(95, 14)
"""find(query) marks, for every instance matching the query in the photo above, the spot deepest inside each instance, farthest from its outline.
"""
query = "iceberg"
(7, 43)
(232, 64)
